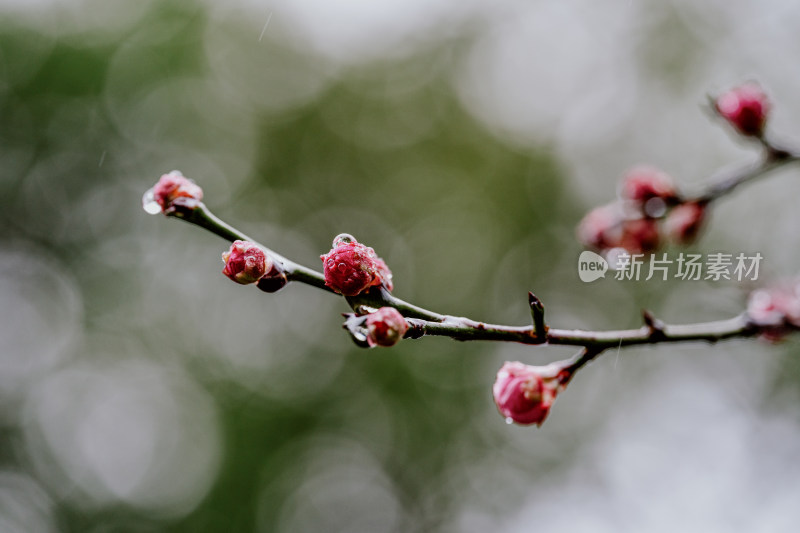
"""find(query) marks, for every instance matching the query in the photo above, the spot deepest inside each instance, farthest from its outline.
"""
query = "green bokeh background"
(145, 392)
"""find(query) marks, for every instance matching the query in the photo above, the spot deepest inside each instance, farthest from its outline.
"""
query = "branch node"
(655, 325)
(537, 314)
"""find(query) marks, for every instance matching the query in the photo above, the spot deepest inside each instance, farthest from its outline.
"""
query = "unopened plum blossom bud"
(245, 262)
(684, 221)
(640, 236)
(174, 189)
(385, 327)
(605, 228)
(650, 189)
(746, 108)
(351, 267)
(524, 394)
(601, 228)
(775, 310)
(273, 280)
(384, 274)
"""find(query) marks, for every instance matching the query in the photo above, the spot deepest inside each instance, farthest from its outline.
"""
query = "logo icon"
(591, 266)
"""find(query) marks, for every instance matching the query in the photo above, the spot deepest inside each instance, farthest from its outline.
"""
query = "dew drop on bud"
(655, 207)
(359, 334)
(509, 420)
(343, 238)
(149, 203)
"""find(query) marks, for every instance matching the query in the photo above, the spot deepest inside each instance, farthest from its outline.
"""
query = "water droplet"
(343, 238)
(655, 207)
(509, 420)
(149, 203)
(360, 334)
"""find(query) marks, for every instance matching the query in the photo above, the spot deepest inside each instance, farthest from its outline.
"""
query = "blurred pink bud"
(175, 188)
(746, 108)
(601, 228)
(524, 393)
(351, 268)
(604, 228)
(643, 184)
(684, 221)
(245, 262)
(776, 310)
(640, 236)
(385, 327)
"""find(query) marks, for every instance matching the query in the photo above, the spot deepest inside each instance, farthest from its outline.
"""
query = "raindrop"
(655, 207)
(343, 238)
(509, 420)
(149, 203)
(359, 334)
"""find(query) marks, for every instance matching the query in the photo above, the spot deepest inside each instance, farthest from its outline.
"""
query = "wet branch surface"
(423, 322)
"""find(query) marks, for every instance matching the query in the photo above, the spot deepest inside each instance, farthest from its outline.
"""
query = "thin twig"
(423, 322)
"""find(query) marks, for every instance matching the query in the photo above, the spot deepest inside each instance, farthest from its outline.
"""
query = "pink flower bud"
(640, 236)
(601, 228)
(605, 228)
(683, 222)
(745, 108)
(643, 184)
(524, 393)
(775, 310)
(245, 262)
(384, 274)
(351, 268)
(174, 188)
(385, 327)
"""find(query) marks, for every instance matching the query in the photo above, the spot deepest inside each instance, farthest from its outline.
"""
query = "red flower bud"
(351, 268)
(245, 262)
(384, 274)
(640, 236)
(643, 184)
(683, 223)
(173, 189)
(775, 310)
(745, 108)
(385, 327)
(605, 228)
(601, 228)
(524, 393)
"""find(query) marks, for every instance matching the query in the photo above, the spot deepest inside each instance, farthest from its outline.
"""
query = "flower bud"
(385, 327)
(650, 189)
(601, 228)
(384, 274)
(605, 228)
(174, 189)
(746, 108)
(775, 310)
(524, 393)
(274, 280)
(245, 262)
(683, 222)
(351, 268)
(640, 236)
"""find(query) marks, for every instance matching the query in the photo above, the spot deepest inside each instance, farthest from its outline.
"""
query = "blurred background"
(141, 391)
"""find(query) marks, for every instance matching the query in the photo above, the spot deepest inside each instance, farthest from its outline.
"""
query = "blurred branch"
(773, 159)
